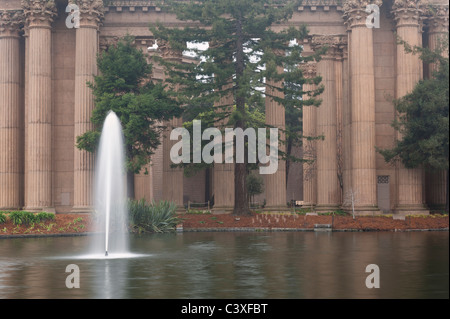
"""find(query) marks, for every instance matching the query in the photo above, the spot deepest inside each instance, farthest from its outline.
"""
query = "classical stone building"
(45, 104)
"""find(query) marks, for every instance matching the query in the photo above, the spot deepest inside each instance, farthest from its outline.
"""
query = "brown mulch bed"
(62, 224)
(83, 223)
(294, 221)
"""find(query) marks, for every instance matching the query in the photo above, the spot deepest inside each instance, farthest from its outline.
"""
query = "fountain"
(110, 190)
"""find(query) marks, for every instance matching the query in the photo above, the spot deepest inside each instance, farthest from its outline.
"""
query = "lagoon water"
(232, 265)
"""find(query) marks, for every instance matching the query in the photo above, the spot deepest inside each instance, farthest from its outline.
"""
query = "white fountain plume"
(110, 189)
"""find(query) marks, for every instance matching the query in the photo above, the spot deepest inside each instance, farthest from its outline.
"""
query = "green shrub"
(304, 210)
(43, 217)
(27, 218)
(2, 218)
(20, 217)
(338, 212)
(154, 217)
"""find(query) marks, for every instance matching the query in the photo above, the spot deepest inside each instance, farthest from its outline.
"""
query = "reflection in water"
(232, 265)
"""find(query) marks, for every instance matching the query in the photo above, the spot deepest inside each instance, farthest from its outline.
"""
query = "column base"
(275, 209)
(40, 209)
(326, 208)
(10, 208)
(82, 209)
(411, 210)
(364, 210)
(310, 207)
(222, 210)
(181, 209)
(433, 207)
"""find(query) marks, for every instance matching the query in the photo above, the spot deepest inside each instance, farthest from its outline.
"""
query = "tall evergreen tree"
(123, 86)
(245, 52)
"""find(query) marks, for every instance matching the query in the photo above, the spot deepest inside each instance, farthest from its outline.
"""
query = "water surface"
(232, 265)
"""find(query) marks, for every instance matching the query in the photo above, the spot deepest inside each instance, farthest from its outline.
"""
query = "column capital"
(437, 17)
(333, 43)
(408, 13)
(11, 23)
(39, 13)
(355, 13)
(345, 51)
(167, 52)
(91, 12)
(309, 69)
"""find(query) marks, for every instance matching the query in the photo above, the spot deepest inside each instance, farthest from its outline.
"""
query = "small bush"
(2, 218)
(20, 217)
(27, 218)
(304, 211)
(154, 217)
(43, 217)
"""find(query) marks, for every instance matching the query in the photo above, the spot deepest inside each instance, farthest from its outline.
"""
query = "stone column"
(328, 193)
(10, 129)
(346, 129)
(87, 44)
(338, 73)
(362, 143)
(438, 24)
(223, 178)
(408, 73)
(309, 70)
(38, 154)
(172, 177)
(275, 184)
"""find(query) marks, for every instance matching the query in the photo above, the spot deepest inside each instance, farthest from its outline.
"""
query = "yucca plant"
(153, 217)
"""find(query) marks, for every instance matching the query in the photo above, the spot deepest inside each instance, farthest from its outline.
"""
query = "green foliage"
(21, 217)
(255, 185)
(254, 117)
(303, 211)
(197, 212)
(338, 212)
(2, 218)
(27, 218)
(43, 217)
(154, 217)
(123, 87)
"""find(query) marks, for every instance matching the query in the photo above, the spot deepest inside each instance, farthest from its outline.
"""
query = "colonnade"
(345, 161)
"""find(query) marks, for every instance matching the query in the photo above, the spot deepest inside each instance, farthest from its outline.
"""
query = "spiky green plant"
(153, 217)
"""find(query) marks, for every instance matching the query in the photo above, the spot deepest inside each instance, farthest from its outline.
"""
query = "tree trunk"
(288, 161)
(447, 194)
(241, 206)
